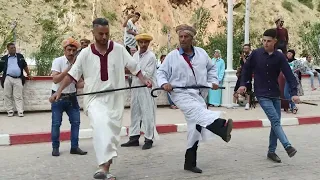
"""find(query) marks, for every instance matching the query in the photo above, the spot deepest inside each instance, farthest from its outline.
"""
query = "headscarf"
(70, 41)
(144, 36)
(187, 29)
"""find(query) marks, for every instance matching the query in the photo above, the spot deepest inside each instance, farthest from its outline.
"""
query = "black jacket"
(21, 63)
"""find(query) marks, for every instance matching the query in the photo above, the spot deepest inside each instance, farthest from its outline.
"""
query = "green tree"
(49, 48)
(310, 35)
(219, 41)
(200, 19)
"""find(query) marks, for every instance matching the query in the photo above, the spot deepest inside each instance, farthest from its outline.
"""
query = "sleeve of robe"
(164, 71)
(130, 63)
(212, 72)
(222, 69)
(150, 67)
(76, 70)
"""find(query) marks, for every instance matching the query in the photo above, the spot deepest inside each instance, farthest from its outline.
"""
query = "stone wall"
(37, 92)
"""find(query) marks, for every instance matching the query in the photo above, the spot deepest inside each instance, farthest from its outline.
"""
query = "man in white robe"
(189, 66)
(143, 105)
(102, 66)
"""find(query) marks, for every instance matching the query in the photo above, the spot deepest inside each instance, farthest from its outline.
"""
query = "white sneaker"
(20, 114)
(10, 113)
(247, 107)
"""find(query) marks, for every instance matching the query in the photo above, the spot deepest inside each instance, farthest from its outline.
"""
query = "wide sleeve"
(288, 74)
(212, 73)
(165, 71)
(222, 69)
(130, 63)
(76, 70)
(150, 67)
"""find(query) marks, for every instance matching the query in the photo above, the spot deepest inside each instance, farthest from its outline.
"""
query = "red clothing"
(282, 34)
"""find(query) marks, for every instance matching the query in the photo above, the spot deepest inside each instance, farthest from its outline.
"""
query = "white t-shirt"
(59, 65)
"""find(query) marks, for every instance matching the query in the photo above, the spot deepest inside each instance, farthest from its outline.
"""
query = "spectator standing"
(13, 80)
(60, 68)
(282, 35)
(131, 31)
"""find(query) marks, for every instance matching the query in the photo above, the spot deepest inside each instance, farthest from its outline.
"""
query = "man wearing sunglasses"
(282, 35)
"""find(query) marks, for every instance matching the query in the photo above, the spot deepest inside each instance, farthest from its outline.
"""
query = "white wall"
(37, 92)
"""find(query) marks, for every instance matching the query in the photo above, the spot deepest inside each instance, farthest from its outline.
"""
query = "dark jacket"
(21, 63)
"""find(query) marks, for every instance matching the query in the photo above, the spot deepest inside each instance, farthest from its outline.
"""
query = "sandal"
(110, 176)
(100, 174)
(295, 110)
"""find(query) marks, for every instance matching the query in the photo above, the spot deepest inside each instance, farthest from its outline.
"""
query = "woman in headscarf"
(297, 68)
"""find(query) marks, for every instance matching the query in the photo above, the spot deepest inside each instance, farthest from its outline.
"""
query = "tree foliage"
(310, 35)
(219, 41)
(200, 19)
(49, 48)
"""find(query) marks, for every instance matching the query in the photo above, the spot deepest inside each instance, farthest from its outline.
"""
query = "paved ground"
(244, 158)
(41, 122)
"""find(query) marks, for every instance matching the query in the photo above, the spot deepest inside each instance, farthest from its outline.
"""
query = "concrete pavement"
(244, 158)
(35, 127)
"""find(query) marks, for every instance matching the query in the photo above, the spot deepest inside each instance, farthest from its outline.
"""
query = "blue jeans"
(288, 96)
(272, 108)
(71, 107)
(170, 101)
(312, 77)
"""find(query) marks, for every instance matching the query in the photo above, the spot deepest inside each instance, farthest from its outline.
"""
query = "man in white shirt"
(60, 68)
(131, 31)
(143, 106)
(102, 66)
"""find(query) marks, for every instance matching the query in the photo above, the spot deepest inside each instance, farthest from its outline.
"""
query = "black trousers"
(217, 127)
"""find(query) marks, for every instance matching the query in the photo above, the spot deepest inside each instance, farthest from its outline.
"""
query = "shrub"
(307, 3)
(287, 5)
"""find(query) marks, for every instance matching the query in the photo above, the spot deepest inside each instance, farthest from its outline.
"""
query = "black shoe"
(192, 169)
(274, 157)
(55, 152)
(229, 128)
(291, 151)
(77, 151)
(133, 141)
(147, 145)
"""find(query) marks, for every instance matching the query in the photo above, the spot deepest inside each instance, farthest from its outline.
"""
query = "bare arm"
(57, 77)
(80, 84)
(126, 21)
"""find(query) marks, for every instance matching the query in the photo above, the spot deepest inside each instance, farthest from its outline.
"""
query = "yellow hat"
(70, 41)
(144, 36)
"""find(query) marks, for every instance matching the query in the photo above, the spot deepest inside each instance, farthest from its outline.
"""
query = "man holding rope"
(266, 63)
(189, 66)
(143, 105)
(102, 66)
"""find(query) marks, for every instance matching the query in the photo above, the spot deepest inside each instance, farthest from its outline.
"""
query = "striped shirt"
(129, 39)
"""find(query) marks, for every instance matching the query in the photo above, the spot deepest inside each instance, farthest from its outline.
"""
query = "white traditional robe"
(143, 105)
(105, 111)
(176, 71)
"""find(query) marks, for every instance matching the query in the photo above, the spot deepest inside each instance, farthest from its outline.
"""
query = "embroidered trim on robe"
(103, 61)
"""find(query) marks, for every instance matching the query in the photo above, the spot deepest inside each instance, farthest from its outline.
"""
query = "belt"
(66, 94)
(15, 77)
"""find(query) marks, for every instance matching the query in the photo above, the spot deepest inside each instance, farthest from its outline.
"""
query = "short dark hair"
(10, 44)
(137, 14)
(162, 56)
(85, 40)
(270, 33)
(249, 45)
(100, 21)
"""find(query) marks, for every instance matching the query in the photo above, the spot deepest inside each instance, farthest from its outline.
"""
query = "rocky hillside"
(158, 17)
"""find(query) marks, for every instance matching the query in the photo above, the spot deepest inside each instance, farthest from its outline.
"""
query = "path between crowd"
(35, 127)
